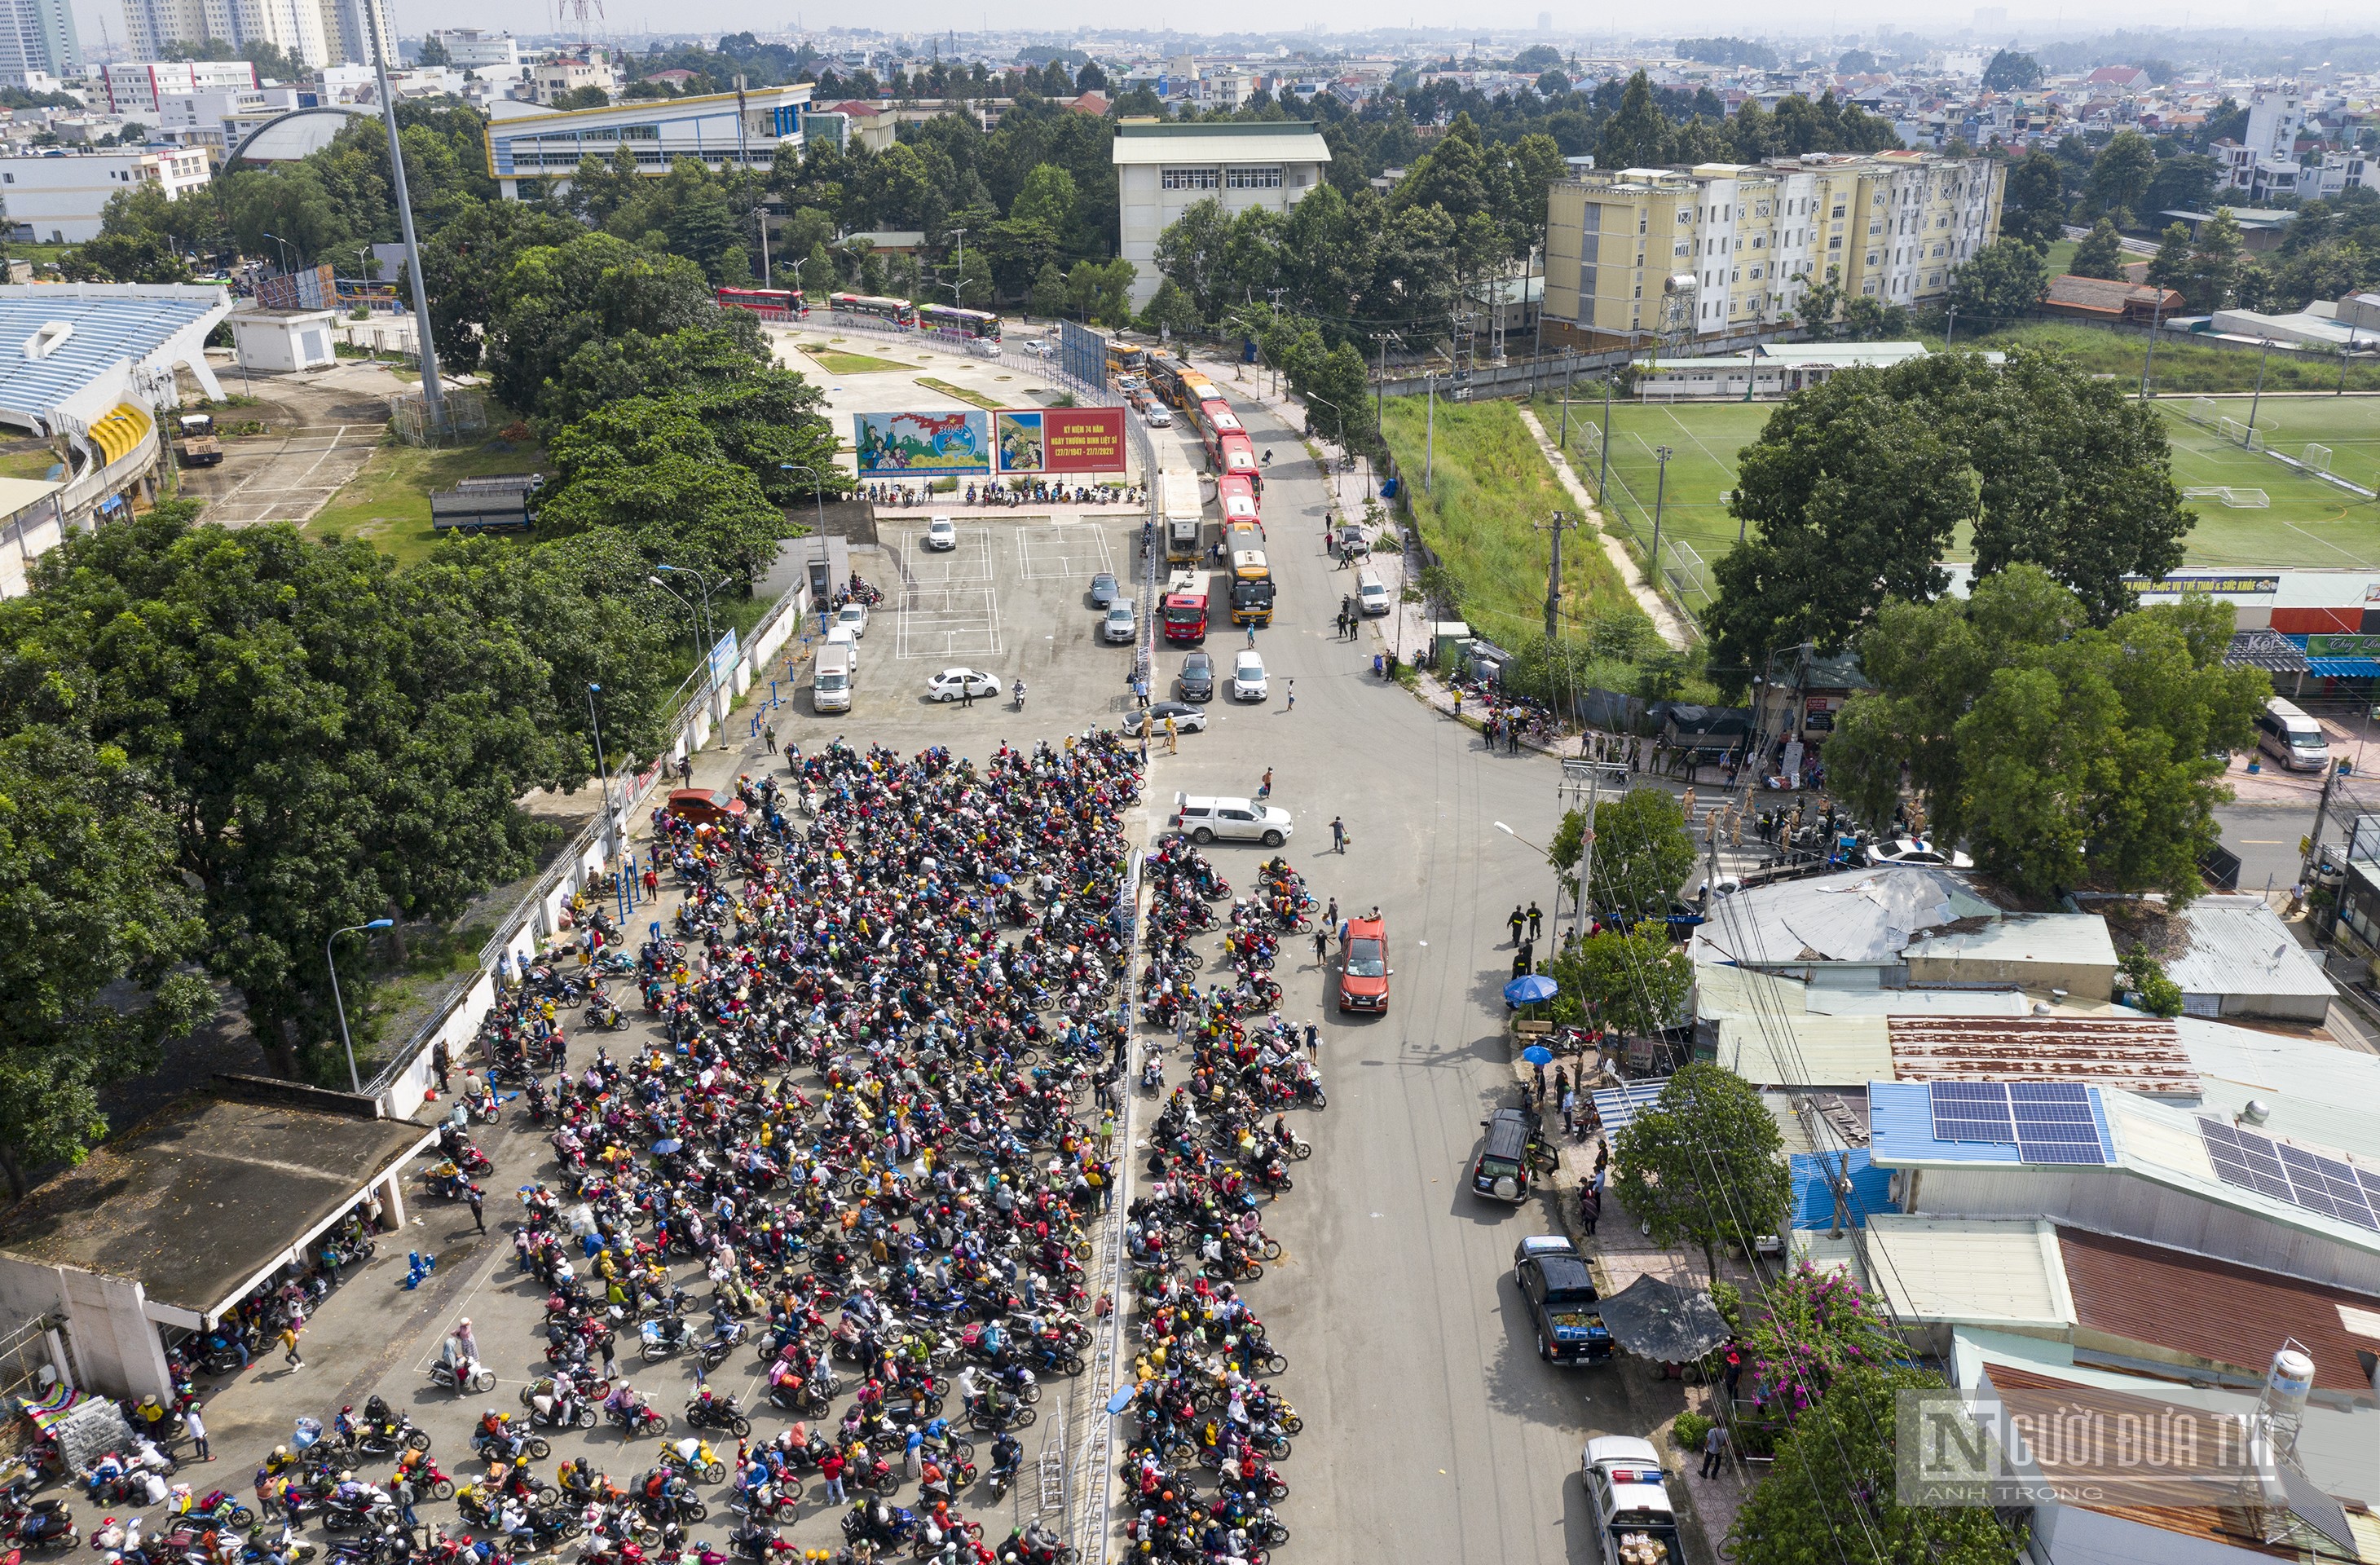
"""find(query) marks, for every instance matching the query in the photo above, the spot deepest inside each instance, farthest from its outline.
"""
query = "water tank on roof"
(2287, 1382)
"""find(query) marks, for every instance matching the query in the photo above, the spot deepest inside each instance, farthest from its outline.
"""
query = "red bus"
(1236, 494)
(1234, 456)
(781, 304)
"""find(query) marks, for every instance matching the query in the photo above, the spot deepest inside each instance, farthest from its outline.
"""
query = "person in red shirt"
(831, 1471)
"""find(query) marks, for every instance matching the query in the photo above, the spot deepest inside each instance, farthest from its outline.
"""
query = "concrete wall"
(113, 1342)
(2083, 981)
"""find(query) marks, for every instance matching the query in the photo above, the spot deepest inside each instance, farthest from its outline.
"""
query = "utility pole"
(1428, 429)
(1949, 328)
(2344, 355)
(1562, 444)
(433, 396)
(1660, 488)
(2254, 402)
(1603, 475)
(1380, 384)
(1553, 572)
(2148, 359)
(1581, 786)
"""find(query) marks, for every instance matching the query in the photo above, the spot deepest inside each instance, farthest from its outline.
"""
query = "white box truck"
(1180, 507)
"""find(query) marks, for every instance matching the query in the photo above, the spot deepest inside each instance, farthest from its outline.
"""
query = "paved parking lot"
(1013, 599)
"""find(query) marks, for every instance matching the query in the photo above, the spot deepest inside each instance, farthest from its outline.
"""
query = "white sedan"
(952, 683)
(1913, 850)
(853, 618)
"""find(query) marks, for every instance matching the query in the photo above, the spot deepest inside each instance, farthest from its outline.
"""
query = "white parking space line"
(1052, 552)
(948, 608)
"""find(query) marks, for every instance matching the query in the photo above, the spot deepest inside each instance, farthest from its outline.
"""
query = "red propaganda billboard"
(1060, 439)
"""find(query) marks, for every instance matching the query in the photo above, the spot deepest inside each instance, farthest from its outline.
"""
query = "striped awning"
(1616, 1106)
(2344, 668)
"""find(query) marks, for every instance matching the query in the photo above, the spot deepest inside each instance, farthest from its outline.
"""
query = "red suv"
(1364, 966)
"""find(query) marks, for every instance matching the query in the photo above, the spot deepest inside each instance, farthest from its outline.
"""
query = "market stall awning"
(1664, 1322)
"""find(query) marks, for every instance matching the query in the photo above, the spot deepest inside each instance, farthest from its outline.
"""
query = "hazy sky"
(2026, 22)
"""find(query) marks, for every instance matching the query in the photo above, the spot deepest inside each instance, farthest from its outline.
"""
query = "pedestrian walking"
(288, 1340)
(1590, 1208)
(1313, 1038)
(479, 1220)
(1734, 1372)
(1330, 914)
(1537, 919)
(1263, 787)
(1172, 736)
(1251, 635)
(1713, 1449)
(1293, 695)
(686, 768)
(1140, 688)
(1516, 923)
(831, 1471)
(611, 1352)
(196, 1427)
(1570, 1113)
(1458, 703)
(402, 1494)
(769, 737)
(1338, 835)
(440, 1061)
(1321, 947)
(966, 694)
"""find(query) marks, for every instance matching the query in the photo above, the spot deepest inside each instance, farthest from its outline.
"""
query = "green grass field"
(2306, 522)
(388, 501)
(1488, 487)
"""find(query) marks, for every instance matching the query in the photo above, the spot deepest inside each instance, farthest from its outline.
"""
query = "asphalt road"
(1431, 1430)
(2265, 837)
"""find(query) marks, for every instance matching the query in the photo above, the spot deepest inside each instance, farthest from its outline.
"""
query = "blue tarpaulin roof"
(2344, 668)
(1814, 1202)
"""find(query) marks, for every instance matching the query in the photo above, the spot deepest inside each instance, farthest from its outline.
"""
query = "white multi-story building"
(217, 120)
(140, 87)
(313, 33)
(58, 198)
(525, 142)
(478, 50)
(2264, 161)
(1164, 168)
(37, 38)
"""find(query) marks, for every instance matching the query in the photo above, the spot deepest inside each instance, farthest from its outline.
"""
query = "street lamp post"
(693, 622)
(710, 626)
(285, 252)
(1549, 857)
(339, 1001)
(818, 491)
(1660, 489)
(611, 821)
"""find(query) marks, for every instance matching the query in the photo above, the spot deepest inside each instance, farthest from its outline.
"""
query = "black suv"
(1564, 1309)
(1503, 1167)
(1197, 677)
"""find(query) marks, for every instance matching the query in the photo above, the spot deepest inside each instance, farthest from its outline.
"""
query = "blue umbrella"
(663, 1148)
(998, 878)
(1530, 989)
(1538, 1054)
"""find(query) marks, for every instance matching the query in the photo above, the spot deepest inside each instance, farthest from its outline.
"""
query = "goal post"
(2239, 434)
(2317, 457)
(2202, 411)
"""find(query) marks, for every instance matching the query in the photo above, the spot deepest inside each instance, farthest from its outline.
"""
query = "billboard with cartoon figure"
(922, 446)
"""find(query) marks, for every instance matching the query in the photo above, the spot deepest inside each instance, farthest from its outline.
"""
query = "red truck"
(1185, 607)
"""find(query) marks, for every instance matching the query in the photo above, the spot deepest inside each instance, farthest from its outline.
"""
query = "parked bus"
(1236, 494)
(1234, 456)
(901, 313)
(776, 304)
(965, 322)
(1252, 589)
(1126, 358)
(1214, 417)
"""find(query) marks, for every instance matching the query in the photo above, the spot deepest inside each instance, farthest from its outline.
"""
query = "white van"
(831, 680)
(1371, 594)
(2292, 737)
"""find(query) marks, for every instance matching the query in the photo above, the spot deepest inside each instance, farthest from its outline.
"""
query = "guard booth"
(827, 559)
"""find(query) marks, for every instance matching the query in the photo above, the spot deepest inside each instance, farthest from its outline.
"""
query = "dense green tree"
(2182, 183)
(1642, 854)
(1835, 1480)
(1638, 135)
(2011, 72)
(1633, 981)
(469, 262)
(2121, 175)
(556, 299)
(92, 900)
(1049, 296)
(2101, 254)
(1704, 1165)
(1999, 285)
(2033, 205)
(2214, 272)
(655, 468)
(2169, 268)
(331, 740)
(2062, 754)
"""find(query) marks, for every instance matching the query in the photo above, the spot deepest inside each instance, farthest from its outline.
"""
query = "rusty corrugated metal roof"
(2213, 1311)
(2138, 1054)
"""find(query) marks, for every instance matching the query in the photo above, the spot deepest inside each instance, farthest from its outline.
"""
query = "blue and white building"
(719, 130)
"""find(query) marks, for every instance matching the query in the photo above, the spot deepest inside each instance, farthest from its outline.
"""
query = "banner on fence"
(723, 659)
(1061, 439)
(916, 445)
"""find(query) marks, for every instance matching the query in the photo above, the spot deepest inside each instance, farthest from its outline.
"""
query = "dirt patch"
(320, 430)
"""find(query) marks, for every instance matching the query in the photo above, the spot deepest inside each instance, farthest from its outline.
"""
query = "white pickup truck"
(1634, 1523)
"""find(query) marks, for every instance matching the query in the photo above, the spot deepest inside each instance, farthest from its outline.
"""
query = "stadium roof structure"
(290, 137)
(69, 352)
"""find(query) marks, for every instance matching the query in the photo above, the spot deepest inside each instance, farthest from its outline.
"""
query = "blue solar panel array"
(2046, 1122)
(2289, 1173)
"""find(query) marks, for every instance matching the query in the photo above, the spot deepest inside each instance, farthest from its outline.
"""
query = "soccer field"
(2304, 522)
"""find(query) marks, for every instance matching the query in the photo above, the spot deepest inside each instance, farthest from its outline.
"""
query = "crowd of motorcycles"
(888, 990)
